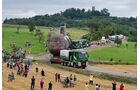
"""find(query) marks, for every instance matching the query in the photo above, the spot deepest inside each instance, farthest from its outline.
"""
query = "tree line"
(74, 17)
(100, 22)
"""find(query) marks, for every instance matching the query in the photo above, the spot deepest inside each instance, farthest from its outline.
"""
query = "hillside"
(10, 36)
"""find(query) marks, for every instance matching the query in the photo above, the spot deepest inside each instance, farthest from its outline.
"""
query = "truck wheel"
(74, 65)
(66, 63)
(83, 67)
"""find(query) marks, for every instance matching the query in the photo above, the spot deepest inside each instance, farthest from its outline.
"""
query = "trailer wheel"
(51, 62)
(62, 63)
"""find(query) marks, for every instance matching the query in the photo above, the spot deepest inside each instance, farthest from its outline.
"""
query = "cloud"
(29, 8)
(18, 14)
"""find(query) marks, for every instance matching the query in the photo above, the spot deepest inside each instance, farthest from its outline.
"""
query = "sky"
(30, 8)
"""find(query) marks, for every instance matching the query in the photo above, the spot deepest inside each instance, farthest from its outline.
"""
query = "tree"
(18, 27)
(105, 12)
(41, 36)
(31, 26)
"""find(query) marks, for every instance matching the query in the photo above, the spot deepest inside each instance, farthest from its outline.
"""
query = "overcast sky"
(29, 8)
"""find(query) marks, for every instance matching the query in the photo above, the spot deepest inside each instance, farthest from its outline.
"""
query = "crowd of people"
(97, 86)
(16, 61)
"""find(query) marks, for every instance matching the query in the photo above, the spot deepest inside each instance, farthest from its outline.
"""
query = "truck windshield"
(83, 55)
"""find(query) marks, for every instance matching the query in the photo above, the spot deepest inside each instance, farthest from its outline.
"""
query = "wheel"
(74, 65)
(66, 63)
(83, 67)
(62, 63)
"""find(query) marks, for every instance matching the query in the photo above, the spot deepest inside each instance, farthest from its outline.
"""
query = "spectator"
(50, 86)
(29, 63)
(67, 81)
(42, 73)
(70, 76)
(36, 70)
(26, 73)
(121, 86)
(25, 66)
(114, 85)
(59, 77)
(41, 84)
(56, 77)
(32, 83)
(99, 87)
(86, 86)
(12, 76)
(96, 87)
(91, 79)
(75, 78)
(71, 83)
(8, 65)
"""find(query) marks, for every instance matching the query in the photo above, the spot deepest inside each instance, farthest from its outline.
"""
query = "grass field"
(10, 35)
(122, 53)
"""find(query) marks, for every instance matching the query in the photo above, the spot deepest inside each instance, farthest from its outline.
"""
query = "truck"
(82, 43)
(77, 58)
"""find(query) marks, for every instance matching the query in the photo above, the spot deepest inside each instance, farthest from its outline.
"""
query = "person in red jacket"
(26, 73)
(41, 84)
(121, 86)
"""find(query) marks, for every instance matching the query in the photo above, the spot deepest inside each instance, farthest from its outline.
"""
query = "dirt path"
(23, 83)
(119, 68)
(108, 71)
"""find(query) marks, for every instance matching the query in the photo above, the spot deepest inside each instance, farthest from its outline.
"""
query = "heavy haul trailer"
(75, 58)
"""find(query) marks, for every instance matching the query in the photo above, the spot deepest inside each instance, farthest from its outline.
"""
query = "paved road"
(88, 68)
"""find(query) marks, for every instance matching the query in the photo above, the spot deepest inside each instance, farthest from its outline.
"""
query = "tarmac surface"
(88, 68)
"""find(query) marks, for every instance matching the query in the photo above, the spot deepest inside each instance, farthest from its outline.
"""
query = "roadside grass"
(114, 54)
(87, 73)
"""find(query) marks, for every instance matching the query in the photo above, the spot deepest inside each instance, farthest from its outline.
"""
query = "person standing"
(91, 79)
(32, 83)
(75, 78)
(86, 86)
(121, 86)
(41, 84)
(26, 73)
(8, 65)
(25, 66)
(96, 87)
(36, 70)
(50, 86)
(56, 75)
(59, 77)
(42, 73)
(114, 85)
(29, 63)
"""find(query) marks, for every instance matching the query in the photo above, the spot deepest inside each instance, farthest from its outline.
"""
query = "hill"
(80, 18)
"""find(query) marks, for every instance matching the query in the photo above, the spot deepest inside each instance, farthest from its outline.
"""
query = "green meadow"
(120, 54)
